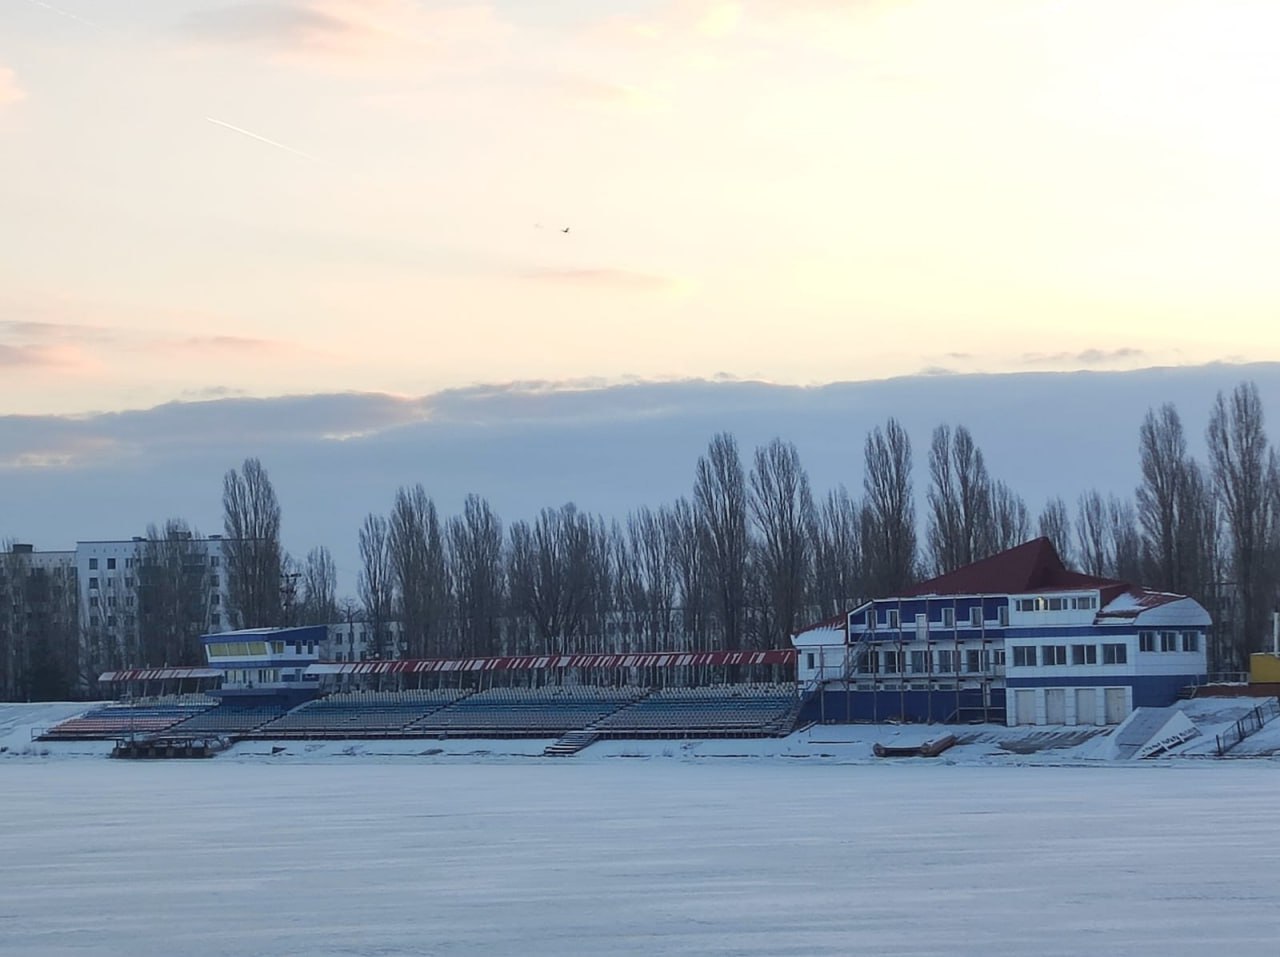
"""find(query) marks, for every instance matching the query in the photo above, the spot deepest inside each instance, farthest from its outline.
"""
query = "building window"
(1146, 641)
(1057, 604)
(809, 660)
(93, 601)
(1084, 603)
(215, 598)
(111, 564)
(213, 581)
(973, 662)
(277, 648)
(894, 621)
(892, 662)
(215, 619)
(1084, 654)
(1190, 641)
(947, 662)
(1024, 656)
(975, 616)
(1055, 654)
(1116, 654)
(93, 564)
(93, 583)
(1168, 641)
(919, 662)
(213, 561)
(871, 619)
(948, 618)
(998, 656)
(1004, 616)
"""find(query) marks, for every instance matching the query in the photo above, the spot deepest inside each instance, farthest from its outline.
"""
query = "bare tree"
(838, 558)
(173, 595)
(475, 549)
(889, 515)
(39, 629)
(1010, 523)
(692, 589)
(416, 544)
(646, 570)
(1244, 473)
(1093, 534)
(558, 570)
(251, 524)
(782, 507)
(319, 604)
(1126, 541)
(376, 585)
(720, 502)
(1055, 525)
(960, 521)
(1162, 450)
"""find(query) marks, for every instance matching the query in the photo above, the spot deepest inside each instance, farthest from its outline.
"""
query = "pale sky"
(295, 196)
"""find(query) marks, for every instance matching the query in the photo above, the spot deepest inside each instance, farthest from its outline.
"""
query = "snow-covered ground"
(618, 857)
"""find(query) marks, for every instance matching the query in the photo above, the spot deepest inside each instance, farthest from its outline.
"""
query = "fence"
(1250, 723)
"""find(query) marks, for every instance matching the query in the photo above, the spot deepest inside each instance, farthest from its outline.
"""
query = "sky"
(609, 450)
(298, 197)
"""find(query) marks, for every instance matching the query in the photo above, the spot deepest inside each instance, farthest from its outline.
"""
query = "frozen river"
(636, 857)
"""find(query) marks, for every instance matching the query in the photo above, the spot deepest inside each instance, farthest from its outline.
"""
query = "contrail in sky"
(262, 139)
(63, 13)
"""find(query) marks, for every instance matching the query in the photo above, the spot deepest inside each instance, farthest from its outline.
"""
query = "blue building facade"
(266, 663)
(1016, 638)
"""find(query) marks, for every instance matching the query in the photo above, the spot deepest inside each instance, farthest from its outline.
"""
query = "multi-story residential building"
(1016, 637)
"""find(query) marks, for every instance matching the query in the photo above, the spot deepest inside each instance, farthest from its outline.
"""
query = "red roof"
(1031, 567)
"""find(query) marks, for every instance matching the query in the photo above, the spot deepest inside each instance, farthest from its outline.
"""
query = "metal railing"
(1249, 724)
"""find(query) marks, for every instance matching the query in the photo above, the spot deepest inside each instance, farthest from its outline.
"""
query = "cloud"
(33, 357)
(1085, 357)
(240, 346)
(10, 91)
(604, 277)
(364, 33)
(590, 91)
(937, 370)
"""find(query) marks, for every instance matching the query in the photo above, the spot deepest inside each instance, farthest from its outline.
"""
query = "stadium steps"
(571, 743)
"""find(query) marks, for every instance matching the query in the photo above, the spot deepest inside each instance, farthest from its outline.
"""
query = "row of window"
(1168, 641)
(250, 675)
(1030, 656)
(972, 661)
(894, 618)
(1058, 603)
(128, 582)
(134, 562)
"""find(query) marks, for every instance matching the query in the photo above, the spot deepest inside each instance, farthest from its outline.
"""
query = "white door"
(1024, 707)
(1055, 706)
(1117, 707)
(1086, 706)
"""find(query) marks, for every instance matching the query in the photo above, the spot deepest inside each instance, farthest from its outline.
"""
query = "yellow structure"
(1264, 667)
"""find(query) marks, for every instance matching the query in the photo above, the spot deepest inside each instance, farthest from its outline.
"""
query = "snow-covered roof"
(1155, 608)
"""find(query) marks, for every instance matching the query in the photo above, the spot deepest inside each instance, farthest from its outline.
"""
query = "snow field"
(627, 857)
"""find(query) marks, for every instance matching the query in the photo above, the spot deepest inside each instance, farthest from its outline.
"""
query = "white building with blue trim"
(1016, 638)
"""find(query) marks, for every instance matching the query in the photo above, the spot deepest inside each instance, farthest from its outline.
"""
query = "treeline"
(748, 556)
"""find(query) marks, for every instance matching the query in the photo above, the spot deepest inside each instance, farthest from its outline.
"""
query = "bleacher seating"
(358, 714)
(230, 717)
(124, 718)
(545, 712)
(717, 710)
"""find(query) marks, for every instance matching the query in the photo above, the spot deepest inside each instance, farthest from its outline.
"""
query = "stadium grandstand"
(551, 696)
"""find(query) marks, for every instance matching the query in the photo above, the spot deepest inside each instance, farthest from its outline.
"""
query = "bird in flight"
(565, 230)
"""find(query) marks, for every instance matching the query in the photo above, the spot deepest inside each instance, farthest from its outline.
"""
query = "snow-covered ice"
(767, 856)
